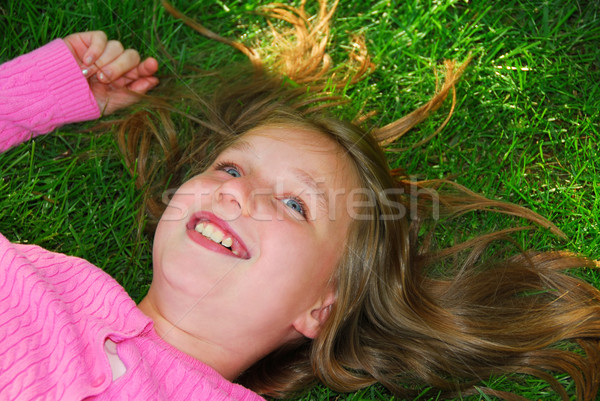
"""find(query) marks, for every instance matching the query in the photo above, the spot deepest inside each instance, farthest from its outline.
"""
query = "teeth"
(207, 232)
(200, 227)
(215, 234)
(227, 242)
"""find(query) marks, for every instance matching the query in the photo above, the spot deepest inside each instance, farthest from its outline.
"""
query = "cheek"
(299, 266)
(176, 267)
(187, 198)
(178, 208)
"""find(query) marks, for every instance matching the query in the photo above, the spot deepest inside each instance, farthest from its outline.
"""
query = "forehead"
(301, 150)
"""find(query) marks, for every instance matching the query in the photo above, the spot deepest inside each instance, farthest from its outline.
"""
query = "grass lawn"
(525, 129)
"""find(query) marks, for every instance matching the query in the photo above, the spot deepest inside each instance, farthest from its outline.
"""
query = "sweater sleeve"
(40, 91)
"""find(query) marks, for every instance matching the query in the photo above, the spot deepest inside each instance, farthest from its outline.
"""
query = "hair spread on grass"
(409, 311)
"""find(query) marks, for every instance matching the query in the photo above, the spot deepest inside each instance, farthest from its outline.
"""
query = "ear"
(309, 324)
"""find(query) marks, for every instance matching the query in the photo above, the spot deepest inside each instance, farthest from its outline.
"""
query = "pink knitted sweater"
(57, 311)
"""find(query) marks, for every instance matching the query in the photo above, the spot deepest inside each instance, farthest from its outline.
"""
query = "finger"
(111, 52)
(146, 68)
(96, 41)
(143, 85)
(126, 62)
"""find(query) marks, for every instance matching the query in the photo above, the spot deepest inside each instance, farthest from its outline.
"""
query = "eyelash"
(225, 166)
(300, 203)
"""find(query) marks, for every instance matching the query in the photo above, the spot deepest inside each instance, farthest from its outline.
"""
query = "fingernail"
(104, 75)
(88, 60)
(85, 71)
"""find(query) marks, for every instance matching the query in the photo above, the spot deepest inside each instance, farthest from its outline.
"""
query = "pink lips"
(200, 239)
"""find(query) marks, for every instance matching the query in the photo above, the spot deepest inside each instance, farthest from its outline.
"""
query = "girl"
(289, 253)
(68, 331)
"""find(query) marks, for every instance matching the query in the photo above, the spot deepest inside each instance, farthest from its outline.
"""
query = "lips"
(211, 232)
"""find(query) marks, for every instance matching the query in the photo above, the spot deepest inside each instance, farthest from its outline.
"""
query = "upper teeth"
(214, 233)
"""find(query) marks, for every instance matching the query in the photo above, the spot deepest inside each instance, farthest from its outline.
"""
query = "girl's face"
(245, 253)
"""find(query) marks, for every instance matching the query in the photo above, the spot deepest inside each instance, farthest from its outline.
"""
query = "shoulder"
(45, 280)
(81, 288)
(70, 276)
(55, 312)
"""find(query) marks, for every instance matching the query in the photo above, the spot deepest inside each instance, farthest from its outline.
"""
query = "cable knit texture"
(57, 311)
(40, 91)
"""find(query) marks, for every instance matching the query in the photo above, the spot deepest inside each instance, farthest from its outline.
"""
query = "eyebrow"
(243, 146)
(306, 179)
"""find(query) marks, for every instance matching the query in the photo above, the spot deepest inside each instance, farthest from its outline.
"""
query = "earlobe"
(311, 322)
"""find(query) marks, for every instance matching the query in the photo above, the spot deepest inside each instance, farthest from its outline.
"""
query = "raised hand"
(116, 75)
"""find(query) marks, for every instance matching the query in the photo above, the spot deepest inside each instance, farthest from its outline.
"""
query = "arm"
(67, 81)
(40, 91)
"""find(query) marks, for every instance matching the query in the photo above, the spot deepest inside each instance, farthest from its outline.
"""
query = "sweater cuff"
(66, 83)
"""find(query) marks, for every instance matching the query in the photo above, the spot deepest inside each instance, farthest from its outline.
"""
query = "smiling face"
(245, 253)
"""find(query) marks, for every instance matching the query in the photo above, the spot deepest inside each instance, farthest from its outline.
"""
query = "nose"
(232, 198)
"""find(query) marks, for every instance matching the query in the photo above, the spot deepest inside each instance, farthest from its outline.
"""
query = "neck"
(226, 361)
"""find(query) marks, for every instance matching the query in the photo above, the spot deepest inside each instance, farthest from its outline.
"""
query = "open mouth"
(214, 234)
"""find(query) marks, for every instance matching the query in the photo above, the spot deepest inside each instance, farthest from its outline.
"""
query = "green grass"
(525, 130)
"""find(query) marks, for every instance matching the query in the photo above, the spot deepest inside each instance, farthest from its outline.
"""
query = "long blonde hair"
(408, 312)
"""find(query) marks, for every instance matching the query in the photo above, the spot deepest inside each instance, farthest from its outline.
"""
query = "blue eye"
(232, 172)
(229, 168)
(296, 205)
